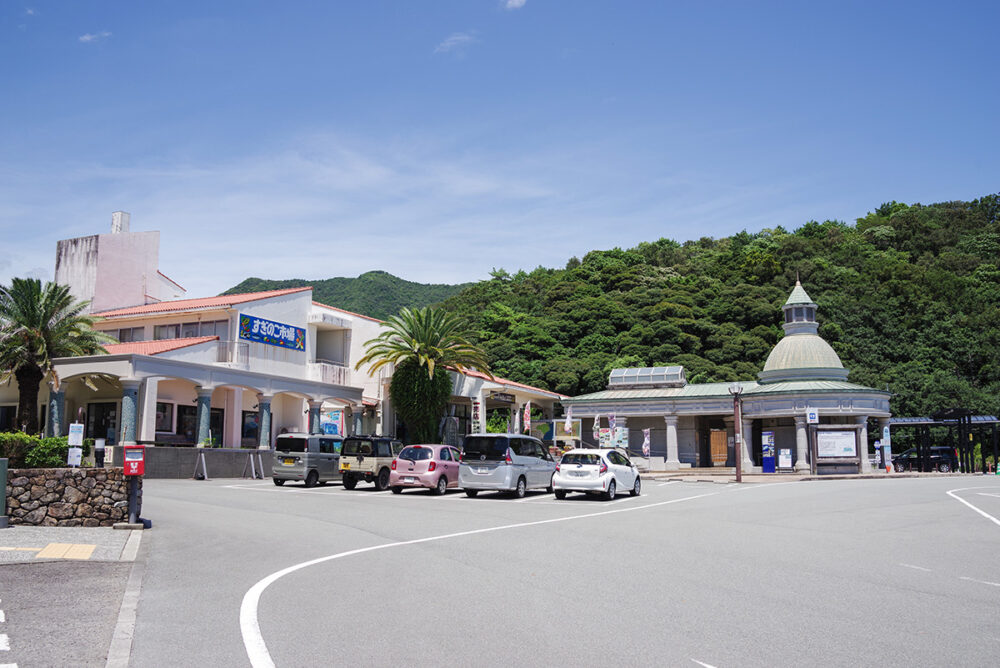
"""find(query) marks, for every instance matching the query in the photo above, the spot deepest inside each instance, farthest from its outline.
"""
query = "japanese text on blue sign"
(272, 333)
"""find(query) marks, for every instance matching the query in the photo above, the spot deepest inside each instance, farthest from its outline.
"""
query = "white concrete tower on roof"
(115, 270)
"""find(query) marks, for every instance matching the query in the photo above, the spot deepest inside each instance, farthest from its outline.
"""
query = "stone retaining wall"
(84, 497)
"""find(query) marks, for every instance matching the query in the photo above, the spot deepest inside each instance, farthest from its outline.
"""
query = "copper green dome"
(802, 354)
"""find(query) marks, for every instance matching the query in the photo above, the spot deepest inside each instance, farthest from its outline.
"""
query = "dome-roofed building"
(693, 424)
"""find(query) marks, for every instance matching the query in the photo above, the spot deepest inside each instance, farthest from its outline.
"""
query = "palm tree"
(37, 325)
(418, 338)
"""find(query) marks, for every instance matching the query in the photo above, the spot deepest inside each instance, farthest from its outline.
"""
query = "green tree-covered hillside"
(376, 293)
(909, 297)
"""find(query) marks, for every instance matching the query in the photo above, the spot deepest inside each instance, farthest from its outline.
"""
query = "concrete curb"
(120, 652)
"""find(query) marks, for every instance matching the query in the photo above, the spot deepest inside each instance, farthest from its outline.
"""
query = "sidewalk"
(725, 476)
(30, 544)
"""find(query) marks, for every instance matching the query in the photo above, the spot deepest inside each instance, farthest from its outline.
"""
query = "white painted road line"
(131, 548)
(982, 582)
(3, 617)
(704, 665)
(4, 642)
(952, 494)
(253, 640)
(916, 568)
(988, 494)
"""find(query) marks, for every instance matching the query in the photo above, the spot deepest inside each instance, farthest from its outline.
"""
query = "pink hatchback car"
(433, 466)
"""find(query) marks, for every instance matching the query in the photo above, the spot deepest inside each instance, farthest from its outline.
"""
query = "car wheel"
(898, 467)
(560, 494)
(551, 487)
(396, 489)
(349, 482)
(442, 486)
(279, 481)
(471, 493)
(637, 487)
(312, 479)
(610, 494)
(382, 481)
(944, 467)
(521, 489)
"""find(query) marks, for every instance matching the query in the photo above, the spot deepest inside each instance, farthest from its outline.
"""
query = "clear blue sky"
(437, 140)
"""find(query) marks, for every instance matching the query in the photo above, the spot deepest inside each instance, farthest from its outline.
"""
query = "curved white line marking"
(981, 512)
(253, 641)
(982, 582)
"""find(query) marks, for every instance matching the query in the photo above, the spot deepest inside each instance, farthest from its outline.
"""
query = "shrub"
(15, 447)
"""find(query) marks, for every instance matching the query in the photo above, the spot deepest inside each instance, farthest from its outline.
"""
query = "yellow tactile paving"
(66, 551)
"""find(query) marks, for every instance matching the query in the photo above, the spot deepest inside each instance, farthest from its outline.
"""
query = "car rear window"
(581, 458)
(485, 447)
(357, 446)
(416, 454)
(291, 444)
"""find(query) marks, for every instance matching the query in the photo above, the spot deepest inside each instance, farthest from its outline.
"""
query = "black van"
(941, 458)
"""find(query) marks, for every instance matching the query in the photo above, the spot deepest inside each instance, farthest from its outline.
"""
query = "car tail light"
(506, 457)
(432, 466)
(461, 456)
(393, 464)
(604, 468)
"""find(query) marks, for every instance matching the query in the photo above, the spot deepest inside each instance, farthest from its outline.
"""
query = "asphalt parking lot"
(856, 572)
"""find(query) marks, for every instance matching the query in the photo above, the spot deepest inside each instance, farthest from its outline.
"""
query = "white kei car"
(596, 471)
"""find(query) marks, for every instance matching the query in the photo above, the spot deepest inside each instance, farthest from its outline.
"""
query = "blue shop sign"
(272, 333)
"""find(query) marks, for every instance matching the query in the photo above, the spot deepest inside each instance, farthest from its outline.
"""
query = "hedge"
(27, 451)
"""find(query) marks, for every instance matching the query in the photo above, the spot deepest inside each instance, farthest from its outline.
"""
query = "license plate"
(409, 479)
(288, 461)
(345, 467)
(578, 474)
(482, 470)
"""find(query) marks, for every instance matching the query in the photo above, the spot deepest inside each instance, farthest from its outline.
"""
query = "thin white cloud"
(457, 41)
(514, 4)
(28, 11)
(94, 37)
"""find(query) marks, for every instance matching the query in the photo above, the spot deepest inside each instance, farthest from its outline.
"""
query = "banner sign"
(527, 417)
(477, 417)
(272, 333)
(505, 397)
(597, 429)
(645, 442)
(767, 444)
(836, 444)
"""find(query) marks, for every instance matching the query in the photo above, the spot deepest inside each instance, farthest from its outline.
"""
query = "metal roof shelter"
(967, 426)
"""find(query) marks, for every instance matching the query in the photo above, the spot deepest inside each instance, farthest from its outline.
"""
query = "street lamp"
(736, 390)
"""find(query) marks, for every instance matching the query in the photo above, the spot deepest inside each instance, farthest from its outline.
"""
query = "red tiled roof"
(334, 308)
(504, 381)
(155, 347)
(197, 304)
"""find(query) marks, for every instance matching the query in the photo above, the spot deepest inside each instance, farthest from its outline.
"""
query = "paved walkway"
(26, 544)
(729, 476)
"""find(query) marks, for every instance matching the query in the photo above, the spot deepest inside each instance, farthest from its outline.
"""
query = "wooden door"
(719, 445)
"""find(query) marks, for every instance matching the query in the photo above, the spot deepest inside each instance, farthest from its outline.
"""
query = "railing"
(330, 372)
(233, 352)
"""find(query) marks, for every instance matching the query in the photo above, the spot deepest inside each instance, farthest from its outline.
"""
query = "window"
(328, 446)
(8, 414)
(161, 332)
(189, 330)
(127, 334)
(250, 424)
(799, 314)
(219, 328)
(164, 418)
(618, 459)
(416, 454)
(446, 454)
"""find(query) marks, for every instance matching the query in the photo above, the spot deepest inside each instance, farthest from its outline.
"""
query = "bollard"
(4, 523)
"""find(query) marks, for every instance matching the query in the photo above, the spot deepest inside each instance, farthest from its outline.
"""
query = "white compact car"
(596, 471)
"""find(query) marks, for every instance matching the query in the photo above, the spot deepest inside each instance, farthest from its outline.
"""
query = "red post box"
(134, 459)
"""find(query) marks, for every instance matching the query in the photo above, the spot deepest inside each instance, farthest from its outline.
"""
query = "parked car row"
(511, 463)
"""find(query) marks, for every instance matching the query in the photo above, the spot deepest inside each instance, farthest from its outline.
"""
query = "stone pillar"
(314, 426)
(57, 410)
(146, 426)
(204, 416)
(747, 449)
(801, 444)
(358, 415)
(130, 410)
(866, 465)
(673, 463)
(264, 421)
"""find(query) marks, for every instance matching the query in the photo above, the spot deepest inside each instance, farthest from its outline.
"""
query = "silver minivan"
(506, 462)
(312, 458)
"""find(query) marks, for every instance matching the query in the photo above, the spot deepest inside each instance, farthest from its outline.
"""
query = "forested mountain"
(909, 297)
(376, 293)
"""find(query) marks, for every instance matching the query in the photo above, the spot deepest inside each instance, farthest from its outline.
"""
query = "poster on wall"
(332, 422)
(542, 430)
(836, 444)
(618, 439)
(272, 333)
(574, 433)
